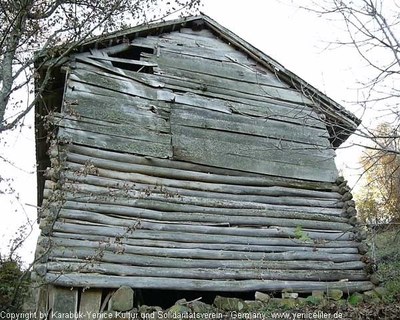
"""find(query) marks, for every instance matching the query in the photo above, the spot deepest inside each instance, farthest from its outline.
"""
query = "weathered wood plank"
(127, 61)
(196, 117)
(218, 78)
(266, 107)
(142, 113)
(122, 130)
(191, 273)
(65, 302)
(287, 112)
(229, 70)
(99, 281)
(90, 301)
(214, 52)
(277, 159)
(202, 33)
(115, 85)
(270, 148)
(145, 79)
(190, 237)
(183, 170)
(115, 143)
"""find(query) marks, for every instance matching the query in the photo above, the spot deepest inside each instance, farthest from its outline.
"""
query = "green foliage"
(388, 258)
(313, 300)
(354, 299)
(14, 283)
(301, 235)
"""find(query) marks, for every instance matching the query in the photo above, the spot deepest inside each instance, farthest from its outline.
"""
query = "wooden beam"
(99, 281)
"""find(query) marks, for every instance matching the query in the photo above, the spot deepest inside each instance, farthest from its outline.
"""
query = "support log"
(99, 281)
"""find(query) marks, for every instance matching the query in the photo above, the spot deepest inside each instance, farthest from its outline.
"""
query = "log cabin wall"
(182, 163)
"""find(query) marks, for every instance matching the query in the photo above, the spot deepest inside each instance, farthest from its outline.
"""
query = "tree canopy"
(379, 200)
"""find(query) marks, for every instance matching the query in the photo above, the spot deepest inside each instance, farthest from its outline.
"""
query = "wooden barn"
(178, 156)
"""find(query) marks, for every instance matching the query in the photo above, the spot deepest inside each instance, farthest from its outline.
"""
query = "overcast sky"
(293, 37)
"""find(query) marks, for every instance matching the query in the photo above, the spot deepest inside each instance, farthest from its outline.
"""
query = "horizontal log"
(202, 173)
(196, 198)
(115, 197)
(101, 281)
(93, 255)
(194, 185)
(207, 235)
(192, 273)
(126, 186)
(165, 204)
(153, 252)
(199, 216)
(206, 246)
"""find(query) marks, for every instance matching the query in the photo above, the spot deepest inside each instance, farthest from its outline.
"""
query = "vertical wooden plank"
(42, 299)
(90, 303)
(64, 303)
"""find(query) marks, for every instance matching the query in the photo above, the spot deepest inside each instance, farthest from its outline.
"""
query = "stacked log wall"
(205, 172)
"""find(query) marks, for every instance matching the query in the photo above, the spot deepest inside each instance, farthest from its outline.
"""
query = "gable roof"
(340, 122)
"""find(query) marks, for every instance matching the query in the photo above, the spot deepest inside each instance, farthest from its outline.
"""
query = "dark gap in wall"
(167, 298)
(133, 53)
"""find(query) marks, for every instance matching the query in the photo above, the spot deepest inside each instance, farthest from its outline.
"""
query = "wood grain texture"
(98, 281)
(206, 173)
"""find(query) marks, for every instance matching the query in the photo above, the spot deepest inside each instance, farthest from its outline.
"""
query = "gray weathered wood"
(179, 169)
(204, 218)
(267, 108)
(196, 117)
(259, 146)
(167, 202)
(212, 235)
(288, 262)
(209, 150)
(90, 302)
(191, 273)
(212, 79)
(115, 143)
(99, 281)
(270, 232)
(228, 70)
(116, 110)
(192, 253)
(65, 302)
(177, 179)
(127, 61)
(111, 129)
(285, 200)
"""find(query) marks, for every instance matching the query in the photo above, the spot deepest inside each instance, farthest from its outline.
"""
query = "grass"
(387, 253)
